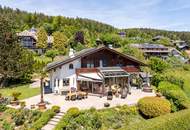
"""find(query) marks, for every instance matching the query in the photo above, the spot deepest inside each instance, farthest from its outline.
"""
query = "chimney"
(71, 53)
(110, 46)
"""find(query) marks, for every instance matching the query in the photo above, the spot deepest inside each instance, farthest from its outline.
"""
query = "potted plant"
(106, 104)
(158, 94)
(15, 96)
(22, 104)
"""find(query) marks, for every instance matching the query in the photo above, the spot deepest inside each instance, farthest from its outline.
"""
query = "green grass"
(25, 90)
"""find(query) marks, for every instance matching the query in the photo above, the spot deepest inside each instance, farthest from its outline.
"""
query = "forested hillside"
(25, 20)
(69, 26)
(147, 33)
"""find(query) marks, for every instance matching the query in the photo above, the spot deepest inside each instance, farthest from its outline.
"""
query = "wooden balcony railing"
(86, 70)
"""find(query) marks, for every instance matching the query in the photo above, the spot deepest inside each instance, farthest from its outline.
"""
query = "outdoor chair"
(67, 97)
(110, 95)
(80, 97)
(73, 97)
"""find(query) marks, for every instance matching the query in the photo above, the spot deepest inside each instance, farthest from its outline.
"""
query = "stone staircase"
(53, 122)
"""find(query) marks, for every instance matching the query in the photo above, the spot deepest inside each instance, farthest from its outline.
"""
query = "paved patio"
(91, 101)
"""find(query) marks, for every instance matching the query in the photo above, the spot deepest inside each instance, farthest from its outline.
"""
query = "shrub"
(74, 119)
(43, 120)
(73, 112)
(16, 95)
(19, 117)
(174, 93)
(154, 106)
(165, 86)
(22, 104)
(173, 121)
(128, 110)
(157, 64)
(7, 126)
(33, 116)
(56, 109)
(2, 108)
(0, 95)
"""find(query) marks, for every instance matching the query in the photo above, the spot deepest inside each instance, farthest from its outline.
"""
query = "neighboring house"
(181, 45)
(28, 39)
(122, 34)
(153, 50)
(93, 70)
(176, 53)
(156, 38)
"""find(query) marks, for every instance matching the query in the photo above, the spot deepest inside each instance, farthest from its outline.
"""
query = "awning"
(113, 72)
(92, 77)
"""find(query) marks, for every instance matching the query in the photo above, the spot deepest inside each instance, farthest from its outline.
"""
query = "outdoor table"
(71, 94)
(84, 94)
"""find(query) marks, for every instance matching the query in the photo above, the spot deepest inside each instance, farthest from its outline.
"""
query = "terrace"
(91, 101)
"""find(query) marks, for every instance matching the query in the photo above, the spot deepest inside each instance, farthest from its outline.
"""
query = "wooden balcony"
(129, 69)
(86, 70)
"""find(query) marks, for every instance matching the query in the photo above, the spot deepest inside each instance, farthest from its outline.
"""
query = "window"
(65, 82)
(71, 66)
(54, 82)
(90, 64)
(58, 82)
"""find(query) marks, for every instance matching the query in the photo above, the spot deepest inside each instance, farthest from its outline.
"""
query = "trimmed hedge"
(173, 121)
(154, 106)
(43, 120)
(73, 112)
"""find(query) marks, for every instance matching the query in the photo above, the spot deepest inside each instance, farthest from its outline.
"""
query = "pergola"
(109, 72)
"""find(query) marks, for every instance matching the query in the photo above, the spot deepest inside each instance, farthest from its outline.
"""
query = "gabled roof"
(86, 52)
(33, 33)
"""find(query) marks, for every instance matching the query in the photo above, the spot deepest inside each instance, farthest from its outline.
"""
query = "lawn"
(25, 90)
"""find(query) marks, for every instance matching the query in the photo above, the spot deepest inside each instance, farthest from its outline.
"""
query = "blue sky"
(159, 14)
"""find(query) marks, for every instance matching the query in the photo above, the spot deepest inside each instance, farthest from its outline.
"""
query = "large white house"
(92, 70)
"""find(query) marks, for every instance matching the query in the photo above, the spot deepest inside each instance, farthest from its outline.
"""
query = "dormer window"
(71, 66)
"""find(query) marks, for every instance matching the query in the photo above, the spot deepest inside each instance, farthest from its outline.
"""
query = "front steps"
(53, 122)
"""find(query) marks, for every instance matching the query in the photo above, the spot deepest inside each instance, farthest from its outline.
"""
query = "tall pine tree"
(15, 61)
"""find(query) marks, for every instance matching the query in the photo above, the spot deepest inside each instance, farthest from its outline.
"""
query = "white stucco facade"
(63, 74)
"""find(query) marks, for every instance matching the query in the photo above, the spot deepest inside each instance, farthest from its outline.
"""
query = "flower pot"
(106, 104)
(42, 106)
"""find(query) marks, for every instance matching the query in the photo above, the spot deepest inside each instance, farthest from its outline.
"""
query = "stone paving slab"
(91, 101)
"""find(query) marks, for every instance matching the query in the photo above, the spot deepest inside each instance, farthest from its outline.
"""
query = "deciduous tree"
(41, 38)
(60, 42)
